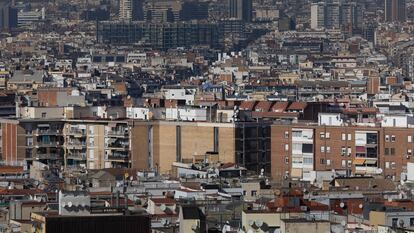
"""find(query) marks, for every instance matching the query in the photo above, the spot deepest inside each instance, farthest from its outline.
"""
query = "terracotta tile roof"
(263, 106)
(20, 192)
(162, 200)
(247, 105)
(297, 106)
(11, 169)
(275, 114)
(280, 106)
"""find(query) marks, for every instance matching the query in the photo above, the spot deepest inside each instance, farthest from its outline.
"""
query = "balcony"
(44, 155)
(364, 170)
(118, 133)
(40, 132)
(117, 146)
(75, 145)
(76, 132)
(117, 158)
(48, 144)
(76, 156)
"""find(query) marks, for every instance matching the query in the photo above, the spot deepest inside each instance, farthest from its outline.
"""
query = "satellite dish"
(164, 222)
(251, 222)
(343, 223)
(342, 205)
(194, 227)
(259, 223)
(361, 206)
(163, 207)
(70, 204)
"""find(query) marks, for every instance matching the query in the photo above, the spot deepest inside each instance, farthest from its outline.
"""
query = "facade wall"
(154, 144)
(356, 150)
(140, 146)
(98, 159)
(397, 140)
(9, 142)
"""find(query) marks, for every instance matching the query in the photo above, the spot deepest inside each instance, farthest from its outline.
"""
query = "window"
(387, 138)
(286, 134)
(297, 146)
(308, 161)
(322, 161)
(29, 141)
(392, 165)
(349, 163)
(307, 148)
(343, 151)
(327, 135)
(392, 151)
(394, 222)
(409, 152)
(328, 162)
(297, 134)
(322, 149)
(343, 137)
(91, 154)
(254, 193)
(43, 115)
(409, 138)
(411, 222)
(349, 137)
(91, 130)
(286, 160)
(393, 138)
(387, 151)
(349, 151)
(343, 163)
(387, 165)
(322, 135)
(328, 149)
(286, 147)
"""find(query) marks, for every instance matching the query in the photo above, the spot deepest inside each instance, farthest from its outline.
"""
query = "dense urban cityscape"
(180, 116)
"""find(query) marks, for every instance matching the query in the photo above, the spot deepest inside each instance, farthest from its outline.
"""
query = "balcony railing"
(75, 144)
(77, 156)
(75, 132)
(117, 133)
(366, 170)
(47, 132)
(42, 155)
(50, 144)
(117, 158)
(117, 146)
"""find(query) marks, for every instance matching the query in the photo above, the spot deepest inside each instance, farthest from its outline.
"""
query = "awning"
(359, 161)
(360, 149)
(371, 161)
(296, 173)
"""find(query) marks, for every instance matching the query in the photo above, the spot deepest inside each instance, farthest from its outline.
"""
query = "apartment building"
(244, 143)
(301, 149)
(26, 140)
